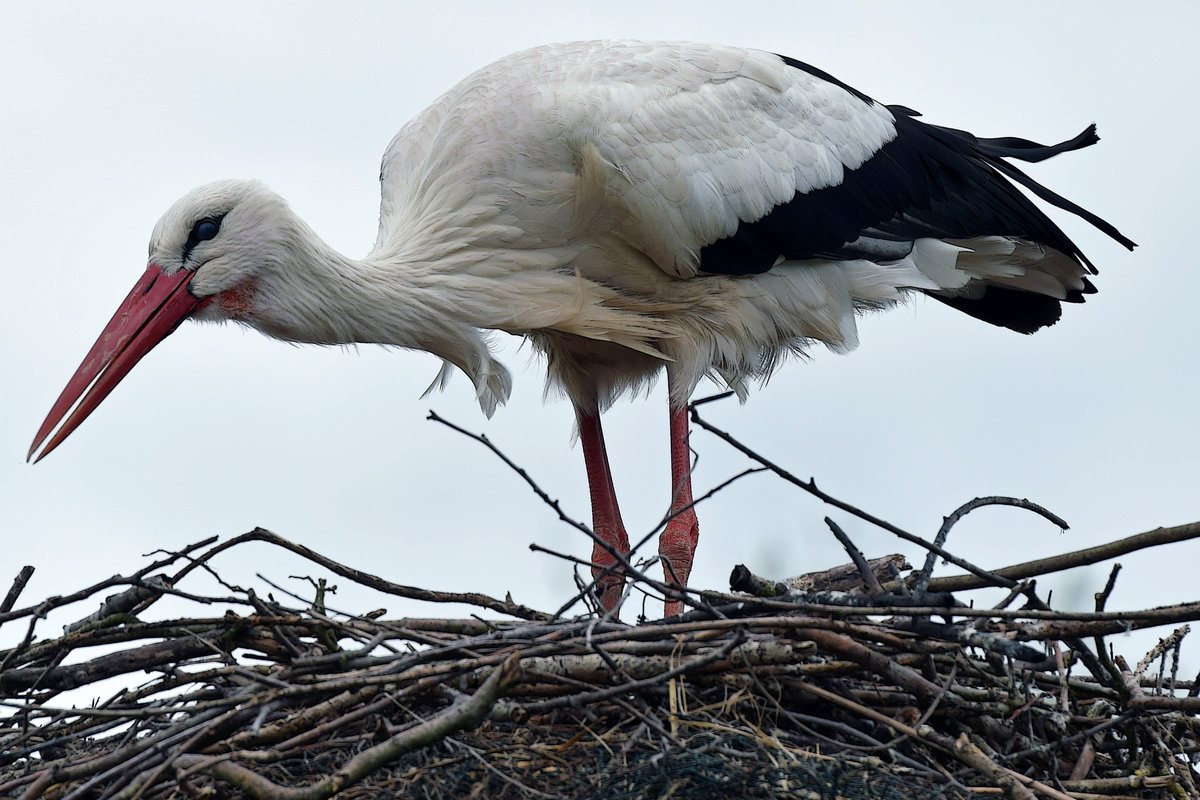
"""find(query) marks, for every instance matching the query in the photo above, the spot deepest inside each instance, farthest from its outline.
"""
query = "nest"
(812, 692)
(870, 681)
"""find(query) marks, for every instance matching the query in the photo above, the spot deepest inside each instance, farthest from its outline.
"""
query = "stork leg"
(678, 541)
(606, 515)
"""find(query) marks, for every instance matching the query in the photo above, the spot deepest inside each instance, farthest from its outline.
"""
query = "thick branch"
(1078, 558)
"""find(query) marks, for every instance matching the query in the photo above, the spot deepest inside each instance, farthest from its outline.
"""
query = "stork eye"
(202, 231)
(205, 229)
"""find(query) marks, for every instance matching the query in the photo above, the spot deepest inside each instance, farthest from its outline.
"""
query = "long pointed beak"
(153, 309)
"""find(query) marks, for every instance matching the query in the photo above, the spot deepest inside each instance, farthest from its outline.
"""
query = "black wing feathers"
(929, 181)
(825, 221)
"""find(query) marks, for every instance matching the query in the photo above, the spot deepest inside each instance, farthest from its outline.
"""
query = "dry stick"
(639, 577)
(165, 629)
(1051, 625)
(969, 753)
(923, 578)
(1012, 782)
(75, 675)
(39, 611)
(116, 580)
(860, 561)
(1118, 785)
(1171, 642)
(18, 586)
(1078, 558)
(743, 580)
(466, 715)
(810, 486)
(1101, 651)
(844, 577)
(301, 726)
(367, 579)
(67, 769)
(633, 686)
(904, 677)
(122, 602)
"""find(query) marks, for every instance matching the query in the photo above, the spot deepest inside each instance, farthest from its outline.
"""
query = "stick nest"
(872, 681)
(816, 692)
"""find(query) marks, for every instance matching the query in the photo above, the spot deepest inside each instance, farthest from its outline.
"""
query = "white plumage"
(630, 208)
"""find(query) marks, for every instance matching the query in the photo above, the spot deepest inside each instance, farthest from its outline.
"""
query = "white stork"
(630, 208)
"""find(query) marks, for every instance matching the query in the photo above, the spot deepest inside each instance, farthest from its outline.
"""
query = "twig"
(541, 493)
(18, 586)
(633, 686)
(1170, 643)
(1102, 651)
(366, 578)
(860, 561)
(116, 580)
(464, 716)
(1078, 558)
(621, 560)
(122, 602)
(810, 486)
(923, 577)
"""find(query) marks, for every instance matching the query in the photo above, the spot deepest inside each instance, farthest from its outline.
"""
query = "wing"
(725, 161)
(770, 159)
(695, 140)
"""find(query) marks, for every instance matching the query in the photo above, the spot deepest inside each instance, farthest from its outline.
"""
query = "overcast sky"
(109, 113)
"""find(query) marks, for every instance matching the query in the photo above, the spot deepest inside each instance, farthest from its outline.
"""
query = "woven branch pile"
(869, 681)
(818, 690)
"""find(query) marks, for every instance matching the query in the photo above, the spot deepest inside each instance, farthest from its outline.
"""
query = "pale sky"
(109, 113)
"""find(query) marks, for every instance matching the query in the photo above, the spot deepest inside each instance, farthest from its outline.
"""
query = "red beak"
(155, 307)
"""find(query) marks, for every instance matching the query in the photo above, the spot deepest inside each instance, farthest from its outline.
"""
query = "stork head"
(208, 254)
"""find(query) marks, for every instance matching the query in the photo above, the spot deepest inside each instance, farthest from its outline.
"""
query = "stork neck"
(336, 299)
(323, 297)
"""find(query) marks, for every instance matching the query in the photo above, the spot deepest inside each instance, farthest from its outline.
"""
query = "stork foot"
(676, 547)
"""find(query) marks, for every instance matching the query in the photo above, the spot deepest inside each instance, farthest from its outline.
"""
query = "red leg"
(606, 516)
(678, 541)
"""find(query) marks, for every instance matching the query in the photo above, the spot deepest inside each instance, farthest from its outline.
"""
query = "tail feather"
(1015, 309)
(1012, 283)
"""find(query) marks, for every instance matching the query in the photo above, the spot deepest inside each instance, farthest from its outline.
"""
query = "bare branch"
(810, 486)
(1078, 558)
(922, 581)
(18, 586)
(366, 578)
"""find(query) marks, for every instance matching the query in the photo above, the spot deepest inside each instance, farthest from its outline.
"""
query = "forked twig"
(810, 486)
